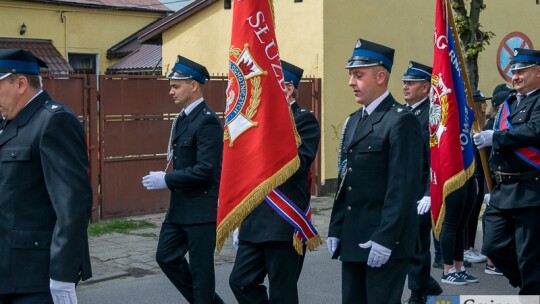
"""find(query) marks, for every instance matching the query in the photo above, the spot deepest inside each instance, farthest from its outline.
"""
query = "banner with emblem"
(450, 119)
(260, 140)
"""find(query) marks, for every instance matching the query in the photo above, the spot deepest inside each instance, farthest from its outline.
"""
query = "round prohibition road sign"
(506, 51)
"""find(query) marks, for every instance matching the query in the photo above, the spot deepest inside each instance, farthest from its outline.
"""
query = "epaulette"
(53, 106)
(399, 108)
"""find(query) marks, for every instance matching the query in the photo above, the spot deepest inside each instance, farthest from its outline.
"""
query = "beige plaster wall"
(72, 29)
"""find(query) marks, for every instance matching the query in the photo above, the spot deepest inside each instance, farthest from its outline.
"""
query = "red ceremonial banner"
(450, 120)
(260, 141)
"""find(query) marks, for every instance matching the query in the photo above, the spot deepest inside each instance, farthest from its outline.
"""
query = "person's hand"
(423, 205)
(487, 197)
(154, 181)
(483, 139)
(331, 244)
(378, 255)
(235, 238)
(63, 292)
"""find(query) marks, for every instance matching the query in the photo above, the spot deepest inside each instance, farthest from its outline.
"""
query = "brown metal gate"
(79, 93)
(128, 135)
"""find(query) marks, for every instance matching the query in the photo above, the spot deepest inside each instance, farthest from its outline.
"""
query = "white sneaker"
(473, 256)
(478, 254)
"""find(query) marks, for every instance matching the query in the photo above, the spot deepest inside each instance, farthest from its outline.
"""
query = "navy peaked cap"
(417, 72)
(19, 61)
(524, 58)
(479, 96)
(500, 94)
(367, 53)
(188, 69)
(291, 73)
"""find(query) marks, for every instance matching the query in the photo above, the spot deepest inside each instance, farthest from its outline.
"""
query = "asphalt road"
(320, 283)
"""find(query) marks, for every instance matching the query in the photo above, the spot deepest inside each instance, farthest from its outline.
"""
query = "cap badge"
(358, 44)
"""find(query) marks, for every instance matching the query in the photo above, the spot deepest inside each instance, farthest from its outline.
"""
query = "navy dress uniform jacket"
(263, 224)
(378, 199)
(422, 113)
(45, 198)
(194, 182)
(525, 118)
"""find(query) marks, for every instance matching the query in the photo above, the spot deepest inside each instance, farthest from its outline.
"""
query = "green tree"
(473, 39)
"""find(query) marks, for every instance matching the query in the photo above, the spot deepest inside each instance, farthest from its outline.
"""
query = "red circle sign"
(506, 51)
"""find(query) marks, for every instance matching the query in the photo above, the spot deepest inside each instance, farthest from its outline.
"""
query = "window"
(83, 63)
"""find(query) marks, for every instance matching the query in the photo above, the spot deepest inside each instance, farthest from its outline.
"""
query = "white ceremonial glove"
(487, 197)
(235, 238)
(331, 244)
(423, 205)
(378, 254)
(63, 292)
(154, 181)
(483, 139)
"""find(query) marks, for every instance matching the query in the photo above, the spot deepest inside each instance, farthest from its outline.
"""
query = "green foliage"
(120, 225)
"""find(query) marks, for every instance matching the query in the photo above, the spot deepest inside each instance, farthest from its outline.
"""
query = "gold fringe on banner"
(457, 181)
(252, 200)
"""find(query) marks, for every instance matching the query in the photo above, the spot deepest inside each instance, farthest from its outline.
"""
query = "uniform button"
(369, 147)
(175, 157)
(350, 169)
(349, 188)
(174, 145)
(350, 150)
(36, 244)
(13, 155)
(499, 167)
(520, 119)
(497, 153)
(349, 208)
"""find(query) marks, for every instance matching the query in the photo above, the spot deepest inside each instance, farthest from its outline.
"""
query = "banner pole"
(468, 94)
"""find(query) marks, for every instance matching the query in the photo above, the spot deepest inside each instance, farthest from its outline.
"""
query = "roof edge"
(105, 6)
(153, 32)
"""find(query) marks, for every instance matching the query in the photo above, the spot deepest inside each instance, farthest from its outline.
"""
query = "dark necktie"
(365, 115)
(409, 108)
(181, 119)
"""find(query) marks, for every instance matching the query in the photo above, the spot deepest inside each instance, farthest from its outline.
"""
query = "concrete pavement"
(120, 257)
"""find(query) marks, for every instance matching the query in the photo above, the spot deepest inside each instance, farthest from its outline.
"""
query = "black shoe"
(416, 300)
(433, 288)
(437, 264)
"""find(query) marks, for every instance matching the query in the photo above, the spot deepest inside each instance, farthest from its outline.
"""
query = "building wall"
(319, 36)
(72, 29)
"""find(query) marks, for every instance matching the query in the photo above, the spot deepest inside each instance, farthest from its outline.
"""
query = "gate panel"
(78, 92)
(136, 118)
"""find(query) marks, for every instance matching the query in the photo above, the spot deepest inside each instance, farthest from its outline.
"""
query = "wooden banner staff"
(468, 93)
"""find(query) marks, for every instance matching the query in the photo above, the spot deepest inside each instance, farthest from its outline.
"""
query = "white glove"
(235, 238)
(331, 244)
(483, 139)
(487, 197)
(154, 181)
(378, 255)
(63, 292)
(424, 205)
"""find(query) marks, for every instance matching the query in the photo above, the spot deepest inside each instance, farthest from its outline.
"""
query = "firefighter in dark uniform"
(265, 246)
(195, 149)
(45, 192)
(373, 226)
(416, 88)
(512, 219)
